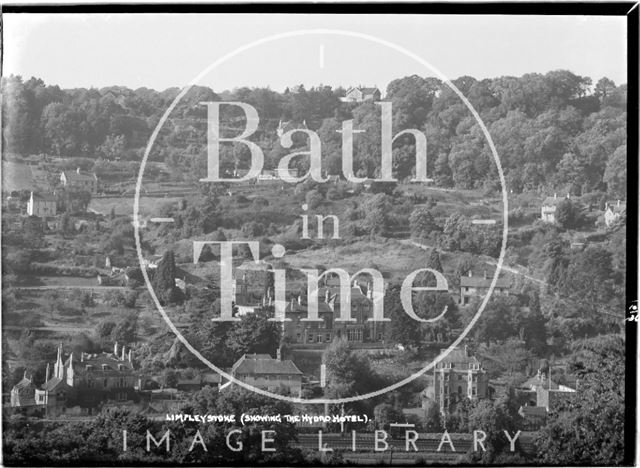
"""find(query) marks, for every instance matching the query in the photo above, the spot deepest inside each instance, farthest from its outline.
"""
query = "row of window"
(266, 377)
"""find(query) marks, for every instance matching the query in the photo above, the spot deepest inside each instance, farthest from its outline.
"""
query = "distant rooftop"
(460, 356)
(482, 282)
(257, 364)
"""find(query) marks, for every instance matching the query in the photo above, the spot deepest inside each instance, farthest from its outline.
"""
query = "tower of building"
(58, 369)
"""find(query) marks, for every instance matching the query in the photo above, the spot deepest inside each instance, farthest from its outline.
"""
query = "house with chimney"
(549, 207)
(42, 205)
(542, 395)
(361, 330)
(84, 380)
(77, 181)
(362, 94)
(478, 286)
(265, 372)
(613, 211)
(458, 376)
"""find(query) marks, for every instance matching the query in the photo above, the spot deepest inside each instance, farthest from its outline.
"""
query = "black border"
(454, 8)
(630, 428)
(629, 9)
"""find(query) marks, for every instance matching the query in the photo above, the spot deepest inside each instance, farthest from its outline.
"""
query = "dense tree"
(567, 214)
(535, 120)
(164, 279)
(615, 174)
(422, 223)
(589, 430)
(254, 333)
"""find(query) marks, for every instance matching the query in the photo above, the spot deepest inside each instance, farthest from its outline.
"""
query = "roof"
(482, 282)
(44, 196)
(211, 378)
(369, 90)
(53, 383)
(460, 356)
(537, 381)
(257, 364)
(553, 201)
(296, 308)
(75, 176)
(532, 411)
(97, 360)
(24, 383)
(364, 90)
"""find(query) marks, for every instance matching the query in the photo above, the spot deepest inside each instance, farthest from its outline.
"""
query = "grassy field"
(149, 206)
(16, 176)
(389, 256)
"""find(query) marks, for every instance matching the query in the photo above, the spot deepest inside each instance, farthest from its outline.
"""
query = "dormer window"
(105, 367)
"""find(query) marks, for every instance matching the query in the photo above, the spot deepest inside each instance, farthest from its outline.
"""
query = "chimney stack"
(618, 203)
(470, 273)
(129, 355)
(122, 353)
(555, 195)
(299, 299)
(46, 377)
(279, 353)
(115, 349)
(77, 170)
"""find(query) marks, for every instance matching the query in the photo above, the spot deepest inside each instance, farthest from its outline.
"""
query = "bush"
(314, 198)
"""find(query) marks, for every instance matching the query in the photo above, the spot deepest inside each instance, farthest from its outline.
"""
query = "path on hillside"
(493, 263)
(65, 286)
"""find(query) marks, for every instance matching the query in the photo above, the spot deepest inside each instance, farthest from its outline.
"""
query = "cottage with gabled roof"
(549, 207)
(613, 212)
(361, 94)
(263, 371)
(42, 205)
(478, 286)
(23, 393)
(544, 395)
(79, 181)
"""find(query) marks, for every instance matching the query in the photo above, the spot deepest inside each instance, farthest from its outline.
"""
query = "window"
(327, 337)
(310, 338)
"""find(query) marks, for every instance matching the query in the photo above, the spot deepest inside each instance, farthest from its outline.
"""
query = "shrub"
(314, 199)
